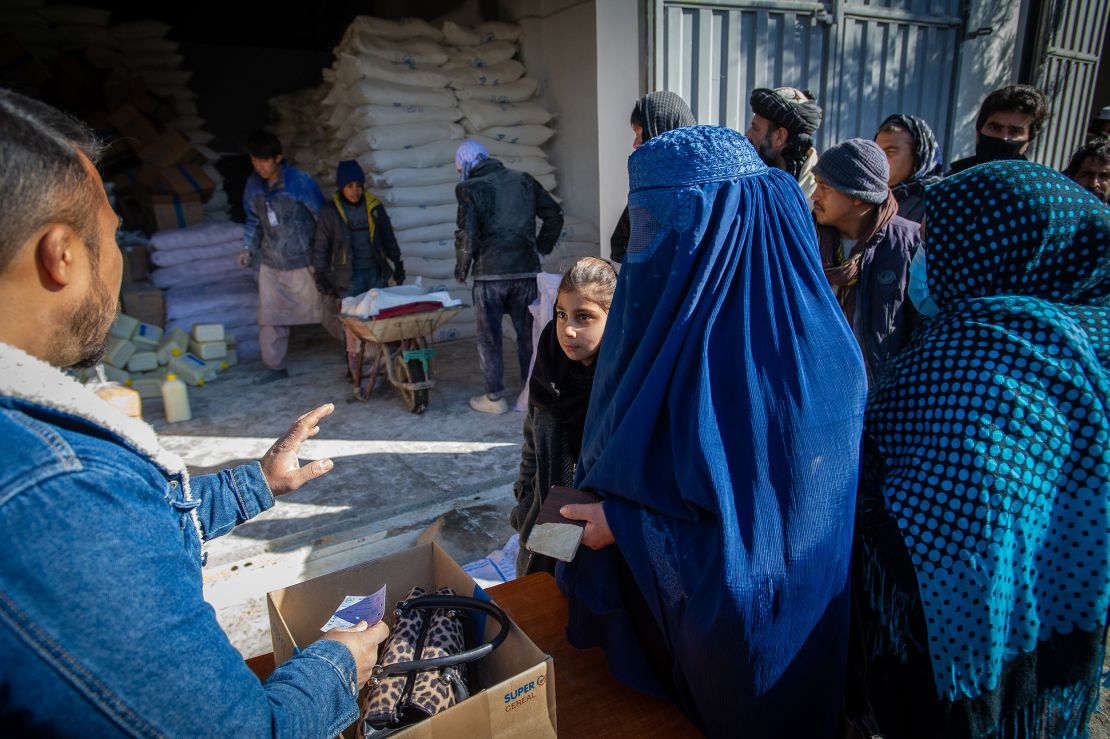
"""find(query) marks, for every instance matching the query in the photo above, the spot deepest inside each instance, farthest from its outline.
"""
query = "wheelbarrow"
(403, 352)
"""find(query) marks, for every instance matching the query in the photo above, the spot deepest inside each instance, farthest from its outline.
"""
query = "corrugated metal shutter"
(1073, 33)
(864, 60)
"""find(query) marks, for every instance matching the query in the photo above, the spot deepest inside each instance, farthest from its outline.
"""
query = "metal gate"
(864, 60)
(1071, 33)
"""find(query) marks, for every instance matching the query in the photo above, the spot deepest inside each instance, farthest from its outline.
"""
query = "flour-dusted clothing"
(287, 297)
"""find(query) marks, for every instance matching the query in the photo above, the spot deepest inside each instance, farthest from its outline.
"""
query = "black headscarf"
(663, 111)
(795, 110)
(926, 156)
(559, 384)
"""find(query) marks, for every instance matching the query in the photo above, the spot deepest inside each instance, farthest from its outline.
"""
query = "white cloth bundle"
(443, 193)
(496, 74)
(527, 135)
(415, 176)
(510, 92)
(401, 137)
(483, 114)
(193, 236)
(379, 92)
(415, 216)
(172, 257)
(428, 155)
(483, 55)
(371, 302)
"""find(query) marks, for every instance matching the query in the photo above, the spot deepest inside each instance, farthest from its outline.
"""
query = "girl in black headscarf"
(654, 113)
(558, 396)
(911, 148)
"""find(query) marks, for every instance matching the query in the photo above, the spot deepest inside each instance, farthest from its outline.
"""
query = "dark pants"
(492, 300)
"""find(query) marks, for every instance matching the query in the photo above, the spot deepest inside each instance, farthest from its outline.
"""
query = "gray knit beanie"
(856, 167)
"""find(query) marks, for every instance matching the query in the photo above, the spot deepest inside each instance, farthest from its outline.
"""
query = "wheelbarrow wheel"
(412, 371)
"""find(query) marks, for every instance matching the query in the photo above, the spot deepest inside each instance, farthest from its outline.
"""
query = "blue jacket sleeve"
(104, 626)
(305, 189)
(230, 497)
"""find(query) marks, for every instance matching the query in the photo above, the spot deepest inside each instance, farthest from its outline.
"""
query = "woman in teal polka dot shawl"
(982, 577)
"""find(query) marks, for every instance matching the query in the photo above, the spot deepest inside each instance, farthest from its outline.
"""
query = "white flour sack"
(415, 216)
(511, 92)
(380, 92)
(193, 236)
(415, 176)
(441, 194)
(534, 166)
(483, 114)
(349, 69)
(402, 137)
(442, 249)
(483, 55)
(410, 51)
(438, 232)
(498, 31)
(439, 269)
(456, 35)
(496, 74)
(368, 116)
(548, 181)
(500, 149)
(405, 28)
(428, 155)
(528, 135)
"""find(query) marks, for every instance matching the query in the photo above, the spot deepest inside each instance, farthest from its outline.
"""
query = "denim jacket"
(281, 220)
(104, 630)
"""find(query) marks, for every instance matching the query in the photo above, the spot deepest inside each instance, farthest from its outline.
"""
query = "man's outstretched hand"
(280, 465)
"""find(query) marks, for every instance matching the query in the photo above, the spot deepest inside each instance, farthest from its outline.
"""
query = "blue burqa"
(723, 432)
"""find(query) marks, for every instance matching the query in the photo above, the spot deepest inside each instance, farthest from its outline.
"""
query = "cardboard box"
(175, 211)
(180, 179)
(518, 698)
(134, 92)
(135, 263)
(167, 149)
(133, 125)
(145, 302)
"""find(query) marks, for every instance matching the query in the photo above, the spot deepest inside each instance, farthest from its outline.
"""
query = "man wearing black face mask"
(1009, 119)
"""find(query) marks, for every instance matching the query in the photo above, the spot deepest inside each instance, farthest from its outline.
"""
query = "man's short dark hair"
(263, 145)
(1024, 99)
(1099, 149)
(42, 178)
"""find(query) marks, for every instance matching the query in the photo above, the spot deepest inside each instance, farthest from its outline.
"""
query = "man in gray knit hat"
(782, 127)
(866, 248)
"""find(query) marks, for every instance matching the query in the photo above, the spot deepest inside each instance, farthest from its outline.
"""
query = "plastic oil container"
(175, 400)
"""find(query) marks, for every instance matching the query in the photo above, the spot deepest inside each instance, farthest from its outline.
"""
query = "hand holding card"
(556, 536)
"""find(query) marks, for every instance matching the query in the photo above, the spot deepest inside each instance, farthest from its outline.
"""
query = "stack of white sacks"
(129, 49)
(198, 267)
(400, 98)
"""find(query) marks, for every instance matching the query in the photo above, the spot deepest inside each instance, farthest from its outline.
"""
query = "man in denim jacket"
(104, 630)
(282, 204)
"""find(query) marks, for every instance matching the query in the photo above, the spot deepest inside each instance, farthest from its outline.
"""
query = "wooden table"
(588, 702)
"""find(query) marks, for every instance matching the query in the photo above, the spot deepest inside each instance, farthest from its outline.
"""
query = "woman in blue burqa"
(723, 436)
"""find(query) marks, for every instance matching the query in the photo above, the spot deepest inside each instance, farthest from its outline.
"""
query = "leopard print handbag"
(422, 669)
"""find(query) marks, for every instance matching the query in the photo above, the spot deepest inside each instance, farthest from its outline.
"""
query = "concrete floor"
(395, 473)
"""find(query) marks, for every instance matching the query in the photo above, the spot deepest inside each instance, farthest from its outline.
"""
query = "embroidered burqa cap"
(723, 432)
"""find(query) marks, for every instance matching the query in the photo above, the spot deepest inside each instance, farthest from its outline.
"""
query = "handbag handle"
(436, 602)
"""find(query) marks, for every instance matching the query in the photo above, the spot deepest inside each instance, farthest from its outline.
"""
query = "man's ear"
(55, 252)
(779, 138)
(279, 159)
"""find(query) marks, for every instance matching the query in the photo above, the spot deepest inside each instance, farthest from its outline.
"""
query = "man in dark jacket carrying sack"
(496, 243)
(866, 248)
(354, 250)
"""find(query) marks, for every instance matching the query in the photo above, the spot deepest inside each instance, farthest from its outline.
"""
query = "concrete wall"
(618, 87)
(986, 63)
(559, 49)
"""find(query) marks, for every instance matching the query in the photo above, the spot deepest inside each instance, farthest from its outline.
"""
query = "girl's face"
(579, 324)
